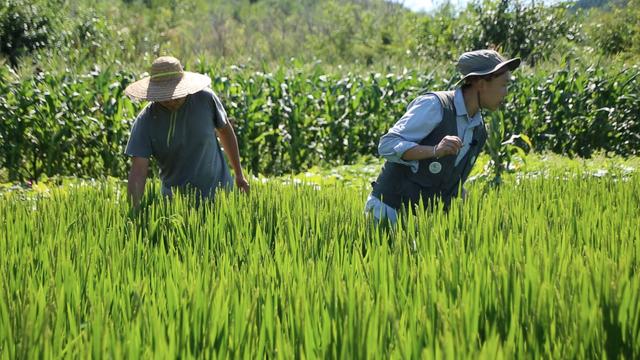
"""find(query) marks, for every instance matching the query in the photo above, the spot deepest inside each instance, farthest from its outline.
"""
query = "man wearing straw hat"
(430, 151)
(178, 128)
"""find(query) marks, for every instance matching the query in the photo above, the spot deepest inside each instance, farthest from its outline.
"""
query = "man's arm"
(449, 145)
(230, 144)
(137, 179)
(401, 143)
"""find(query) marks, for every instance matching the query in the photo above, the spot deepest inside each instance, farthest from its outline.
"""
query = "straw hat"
(483, 62)
(167, 81)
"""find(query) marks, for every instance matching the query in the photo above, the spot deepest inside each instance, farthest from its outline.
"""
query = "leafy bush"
(292, 119)
(617, 30)
(519, 29)
(515, 27)
(24, 27)
(577, 111)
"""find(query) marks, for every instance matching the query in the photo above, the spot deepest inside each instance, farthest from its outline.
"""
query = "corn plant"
(288, 120)
(501, 147)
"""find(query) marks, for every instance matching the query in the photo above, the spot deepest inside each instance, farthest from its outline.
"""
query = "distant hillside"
(604, 4)
(360, 33)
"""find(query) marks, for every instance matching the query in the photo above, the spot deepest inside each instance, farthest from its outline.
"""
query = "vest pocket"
(432, 173)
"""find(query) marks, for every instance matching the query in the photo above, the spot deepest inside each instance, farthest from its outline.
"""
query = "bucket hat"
(482, 63)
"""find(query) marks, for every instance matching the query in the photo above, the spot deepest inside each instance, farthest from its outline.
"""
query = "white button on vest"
(435, 167)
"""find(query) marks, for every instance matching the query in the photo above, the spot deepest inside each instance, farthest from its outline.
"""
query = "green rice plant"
(531, 269)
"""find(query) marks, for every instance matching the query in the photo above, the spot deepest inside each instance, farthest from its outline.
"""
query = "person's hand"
(242, 184)
(449, 145)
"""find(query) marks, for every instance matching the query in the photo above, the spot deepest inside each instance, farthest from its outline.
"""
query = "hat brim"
(510, 64)
(170, 89)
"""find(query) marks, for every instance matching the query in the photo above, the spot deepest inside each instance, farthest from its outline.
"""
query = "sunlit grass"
(543, 266)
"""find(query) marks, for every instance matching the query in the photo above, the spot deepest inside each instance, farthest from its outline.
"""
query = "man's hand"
(449, 145)
(242, 184)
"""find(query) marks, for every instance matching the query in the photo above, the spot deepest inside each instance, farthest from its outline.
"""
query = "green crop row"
(290, 120)
(531, 269)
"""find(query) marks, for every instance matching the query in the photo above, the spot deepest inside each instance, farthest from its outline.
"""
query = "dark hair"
(489, 77)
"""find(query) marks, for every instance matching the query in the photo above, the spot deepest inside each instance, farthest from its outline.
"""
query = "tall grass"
(546, 266)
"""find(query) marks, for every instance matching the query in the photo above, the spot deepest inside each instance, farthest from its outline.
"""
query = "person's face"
(493, 91)
(174, 104)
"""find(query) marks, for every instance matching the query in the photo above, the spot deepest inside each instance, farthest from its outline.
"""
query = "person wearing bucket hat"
(431, 149)
(178, 127)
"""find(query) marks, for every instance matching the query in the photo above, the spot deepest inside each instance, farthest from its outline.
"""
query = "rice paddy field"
(544, 266)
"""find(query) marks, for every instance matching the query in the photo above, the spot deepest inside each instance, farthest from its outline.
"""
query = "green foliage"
(617, 30)
(65, 124)
(501, 151)
(333, 31)
(576, 110)
(286, 121)
(25, 25)
(535, 269)
(519, 29)
(291, 121)
(442, 35)
(515, 27)
(63, 112)
(299, 117)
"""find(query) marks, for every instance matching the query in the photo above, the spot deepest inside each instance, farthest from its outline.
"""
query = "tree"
(23, 28)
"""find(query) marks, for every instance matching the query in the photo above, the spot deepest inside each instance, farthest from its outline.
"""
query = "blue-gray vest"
(399, 187)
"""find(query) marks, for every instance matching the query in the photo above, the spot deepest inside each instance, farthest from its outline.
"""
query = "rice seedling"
(543, 267)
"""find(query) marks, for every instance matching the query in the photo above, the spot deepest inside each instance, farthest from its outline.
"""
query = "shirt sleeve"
(422, 116)
(139, 144)
(219, 113)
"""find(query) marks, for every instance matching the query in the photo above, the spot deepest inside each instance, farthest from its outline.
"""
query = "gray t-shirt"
(184, 143)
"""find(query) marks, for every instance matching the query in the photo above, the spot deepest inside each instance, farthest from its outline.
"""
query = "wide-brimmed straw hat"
(482, 63)
(167, 81)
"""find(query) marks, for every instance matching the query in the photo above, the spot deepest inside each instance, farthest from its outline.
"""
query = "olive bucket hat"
(482, 63)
